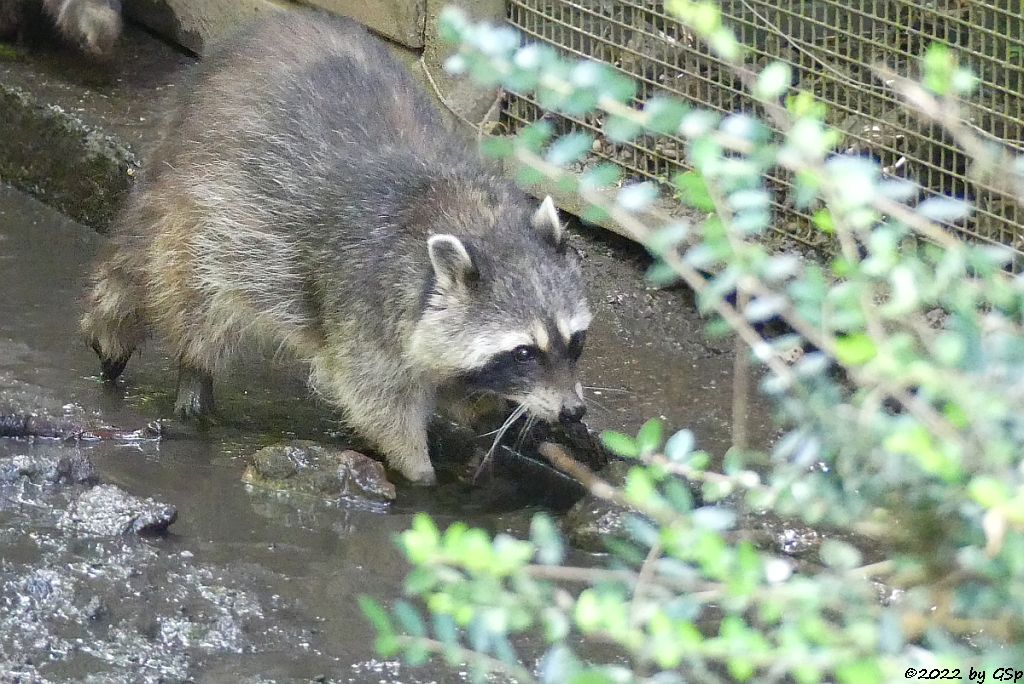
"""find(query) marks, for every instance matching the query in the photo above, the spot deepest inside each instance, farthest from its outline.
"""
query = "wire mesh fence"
(831, 45)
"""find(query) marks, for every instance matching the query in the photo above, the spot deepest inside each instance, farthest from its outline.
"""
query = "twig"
(740, 386)
(642, 580)
(989, 155)
(584, 475)
(516, 672)
(578, 575)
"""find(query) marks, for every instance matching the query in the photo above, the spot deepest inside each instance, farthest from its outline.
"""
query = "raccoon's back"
(297, 93)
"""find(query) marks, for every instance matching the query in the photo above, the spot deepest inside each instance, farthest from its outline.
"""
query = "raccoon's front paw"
(420, 475)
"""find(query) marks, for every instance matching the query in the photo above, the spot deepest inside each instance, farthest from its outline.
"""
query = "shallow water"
(252, 585)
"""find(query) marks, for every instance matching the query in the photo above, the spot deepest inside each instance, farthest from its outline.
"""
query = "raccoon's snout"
(573, 409)
(572, 414)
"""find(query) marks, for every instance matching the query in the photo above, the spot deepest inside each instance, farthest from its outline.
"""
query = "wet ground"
(250, 585)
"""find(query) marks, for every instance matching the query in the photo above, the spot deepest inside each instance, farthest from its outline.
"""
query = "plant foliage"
(903, 422)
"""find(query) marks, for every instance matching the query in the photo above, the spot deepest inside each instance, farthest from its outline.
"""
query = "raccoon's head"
(505, 312)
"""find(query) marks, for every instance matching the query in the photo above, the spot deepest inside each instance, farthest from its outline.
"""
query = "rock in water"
(107, 510)
(592, 521)
(311, 468)
(48, 467)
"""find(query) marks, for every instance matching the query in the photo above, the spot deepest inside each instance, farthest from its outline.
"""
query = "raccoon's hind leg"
(195, 392)
(114, 323)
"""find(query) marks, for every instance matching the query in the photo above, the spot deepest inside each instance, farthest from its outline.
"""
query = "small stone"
(107, 510)
(45, 467)
(311, 468)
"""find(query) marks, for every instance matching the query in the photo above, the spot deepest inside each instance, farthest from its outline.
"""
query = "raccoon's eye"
(576, 344)
(524, 353)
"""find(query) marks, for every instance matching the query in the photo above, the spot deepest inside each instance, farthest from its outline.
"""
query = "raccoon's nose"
(572, 414)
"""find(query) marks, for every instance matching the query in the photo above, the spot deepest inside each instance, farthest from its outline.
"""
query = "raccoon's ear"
(545, 222)
(452, 262)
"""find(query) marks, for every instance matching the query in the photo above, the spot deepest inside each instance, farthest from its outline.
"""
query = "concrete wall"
(409, 25)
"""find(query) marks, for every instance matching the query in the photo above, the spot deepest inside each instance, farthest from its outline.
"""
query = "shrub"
(903, 428)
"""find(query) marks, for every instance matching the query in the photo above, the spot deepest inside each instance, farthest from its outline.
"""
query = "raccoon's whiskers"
(531, 421)
(598, 404)
(513, 417)
(606, 389)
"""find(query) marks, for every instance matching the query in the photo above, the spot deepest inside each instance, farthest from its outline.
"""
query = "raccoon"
(309, 194)
(94, 26)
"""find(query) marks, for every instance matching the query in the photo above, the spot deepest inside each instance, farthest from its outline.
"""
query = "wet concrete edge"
(52, 154)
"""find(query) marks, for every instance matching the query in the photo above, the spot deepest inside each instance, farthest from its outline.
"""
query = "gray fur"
(293, 200)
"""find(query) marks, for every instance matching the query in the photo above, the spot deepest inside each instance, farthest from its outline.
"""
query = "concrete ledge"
(74, 133)
(68, 164)
(194, 25)
(399, 20)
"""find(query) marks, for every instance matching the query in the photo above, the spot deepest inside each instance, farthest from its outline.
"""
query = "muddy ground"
(249, 585)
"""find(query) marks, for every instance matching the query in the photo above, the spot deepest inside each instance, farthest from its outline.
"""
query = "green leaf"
(664, 114)
(620, 444)
(416, 654)
(600, 176)
(421, 542)
(445, 629)
(668, 237)
(822, 220)
(773, 81)
(678, 493)
(988, 491)
(714, 518)
(420, 580)
(636, 197)
(805, 105)
(693, 191)
(855, 350)
(617, 86)
(556, 624)
(548, 540)
(697, 123)
(451, 24)
(385, 644)
(839, 555)
(535, 136)
(592, 677)
(528, 176)
(588, 611)
(938, 64)
(376, 614)
(640, 487)
(409, 619)
(866, 671)
(680, 446)
(706, 154)
(569, 148)
(943, 209)
(594, 214)
(916, 441)
(661, 274)
(648, 439)
(620, 129)
(497, 147)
